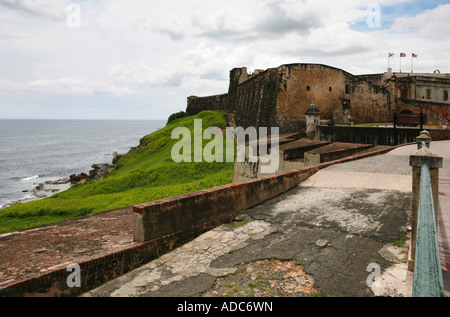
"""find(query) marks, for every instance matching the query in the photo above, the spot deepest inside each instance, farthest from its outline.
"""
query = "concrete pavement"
(339, 224)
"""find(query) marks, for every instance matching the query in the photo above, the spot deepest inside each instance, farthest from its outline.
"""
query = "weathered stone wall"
(336, 93)
(279, 97)
(199, 104)
(435, 113)
(252, 98)
(210, 207)
(376, 79)
(254, 101)
(429, 94)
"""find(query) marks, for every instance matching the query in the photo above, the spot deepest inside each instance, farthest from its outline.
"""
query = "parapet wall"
(207, 208)
(253, 100)
(199, 104)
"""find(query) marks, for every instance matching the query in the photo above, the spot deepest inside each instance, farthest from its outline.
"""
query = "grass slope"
(145, 174)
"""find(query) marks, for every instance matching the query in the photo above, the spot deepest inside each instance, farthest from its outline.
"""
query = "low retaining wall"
(219, 204)
(440, 135)
(98, 270)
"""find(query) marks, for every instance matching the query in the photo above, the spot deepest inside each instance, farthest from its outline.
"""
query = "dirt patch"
(265, 278)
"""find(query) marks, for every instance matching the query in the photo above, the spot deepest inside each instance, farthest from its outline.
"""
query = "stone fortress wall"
(280, 96)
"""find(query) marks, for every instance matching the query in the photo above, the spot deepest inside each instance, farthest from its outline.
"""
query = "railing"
(428, 279)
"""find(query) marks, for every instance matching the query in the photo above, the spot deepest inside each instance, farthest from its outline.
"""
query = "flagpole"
(412, 62)
(389, 60)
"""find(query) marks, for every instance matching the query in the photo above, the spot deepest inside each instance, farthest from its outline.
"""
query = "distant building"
(413, 92)
(281, 96)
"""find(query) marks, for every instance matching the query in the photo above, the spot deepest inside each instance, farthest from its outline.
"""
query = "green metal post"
(428, 279)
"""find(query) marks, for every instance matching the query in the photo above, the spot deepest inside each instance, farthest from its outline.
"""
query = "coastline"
(44, 153)
(41, 191)
(51, 187)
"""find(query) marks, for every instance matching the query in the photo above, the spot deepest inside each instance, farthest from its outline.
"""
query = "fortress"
(281, 96)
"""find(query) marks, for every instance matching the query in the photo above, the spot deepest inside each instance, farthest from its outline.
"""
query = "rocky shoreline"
(97, 172)
(49, 188)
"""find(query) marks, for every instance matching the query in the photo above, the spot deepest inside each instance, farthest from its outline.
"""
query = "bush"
(177, 115)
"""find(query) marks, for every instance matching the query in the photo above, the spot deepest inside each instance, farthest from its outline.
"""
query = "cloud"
(267, 19)
(68, 85)
(283, 17)
(55, 9)
(433, 23)
(331, 42)
(177, 48)
(144, 75)
(208, 61)
(169, 25)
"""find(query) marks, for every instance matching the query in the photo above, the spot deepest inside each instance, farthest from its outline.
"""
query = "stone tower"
(312, 120)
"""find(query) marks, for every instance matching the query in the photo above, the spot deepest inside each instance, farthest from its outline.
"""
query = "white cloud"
(131, 47)
(64, 86)
(433, 24)
(56, 9)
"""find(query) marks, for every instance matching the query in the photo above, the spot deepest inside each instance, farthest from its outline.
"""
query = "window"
(347, 89)
(308, 88)
(403, 92)
(445, 95)
(330, 89)
(428, 93)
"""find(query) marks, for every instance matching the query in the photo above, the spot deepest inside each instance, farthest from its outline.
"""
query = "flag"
(402, 55)
(391, 54)
(414, 55)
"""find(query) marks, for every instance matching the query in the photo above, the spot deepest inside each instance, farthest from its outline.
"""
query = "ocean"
(36, 151)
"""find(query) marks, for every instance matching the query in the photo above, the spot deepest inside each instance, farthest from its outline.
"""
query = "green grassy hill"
(145, 174)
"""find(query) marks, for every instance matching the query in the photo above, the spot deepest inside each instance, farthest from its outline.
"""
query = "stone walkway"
(392, 171)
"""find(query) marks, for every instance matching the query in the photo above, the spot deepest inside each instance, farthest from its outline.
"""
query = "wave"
(30, 178)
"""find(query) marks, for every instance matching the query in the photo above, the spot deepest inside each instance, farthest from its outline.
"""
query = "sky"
(130, 59)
